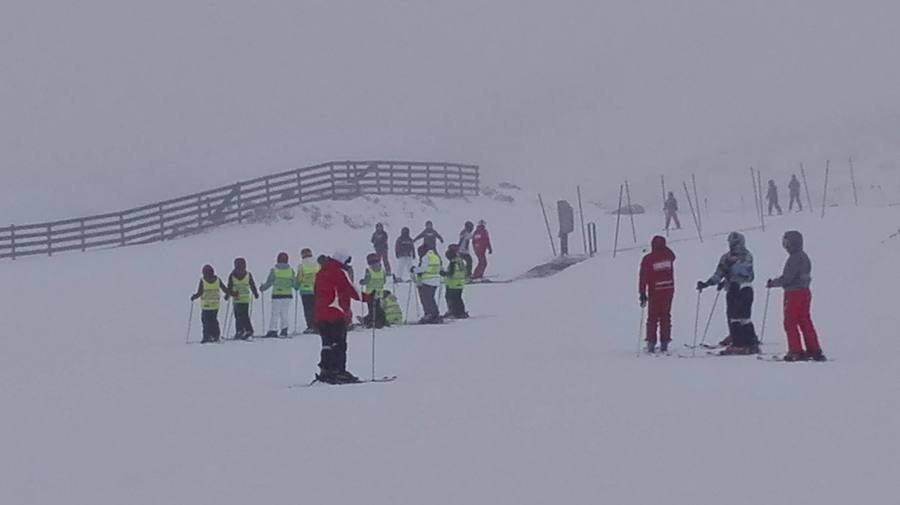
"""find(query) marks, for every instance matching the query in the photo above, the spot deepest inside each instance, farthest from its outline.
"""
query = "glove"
(256, 295)
(443, 273)
(701, 285)
(227, 296)
(770, 284)
(194, 297)
(721, 286)
(643, 300)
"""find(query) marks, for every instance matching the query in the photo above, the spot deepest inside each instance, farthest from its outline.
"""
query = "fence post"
(446, 182)
(83, 248)
(331, 174)
(428, 180)
(268, 192)
(162, 224)
(12, 240)
(49, 240)
(409, 179)
(121, 230)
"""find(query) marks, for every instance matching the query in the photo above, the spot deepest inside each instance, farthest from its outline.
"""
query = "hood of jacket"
(737, 242)
(658, 243)
(793, 241)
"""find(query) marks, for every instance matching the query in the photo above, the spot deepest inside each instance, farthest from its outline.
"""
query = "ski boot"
(327, 376)
(816, 356)
(795, 356)
(284, 333)
(345, 377)
(725, 342)
(310, 331)
(663, 346)
(651, 348)
(271, 334)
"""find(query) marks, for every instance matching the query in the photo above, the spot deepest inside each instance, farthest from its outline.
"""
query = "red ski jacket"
(657, 269)
(333, 293)
(481, 240)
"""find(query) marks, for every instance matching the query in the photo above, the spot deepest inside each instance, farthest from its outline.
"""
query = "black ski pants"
(242, 324)
(429, 304)
(773, 204)
(309, 310)
(466, 257)
(210, 320)
(455, 305)
(334, 345)
(739, 308)
(795, 197)
(375, 308)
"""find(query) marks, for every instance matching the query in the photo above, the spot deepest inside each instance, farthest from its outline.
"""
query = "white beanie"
(340, 256)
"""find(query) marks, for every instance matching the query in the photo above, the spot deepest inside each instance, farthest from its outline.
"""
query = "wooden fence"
(243, 201)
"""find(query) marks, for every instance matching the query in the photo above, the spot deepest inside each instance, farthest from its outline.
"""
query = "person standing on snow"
(656, 285)
(374, 281)
(481, 243)
(794, 190)
(283, 282)
(405, 250)
(772, 197)
(670, 207)
(795, 280)
(306, 280)
(465, 241)
(455, 279)
(380, 243)
(242, 284)
(334, 292)
(735, 272)
(208, 292)
(429, 236)
(428, 280)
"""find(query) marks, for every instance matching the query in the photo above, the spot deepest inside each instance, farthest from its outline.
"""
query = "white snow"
(539, 398)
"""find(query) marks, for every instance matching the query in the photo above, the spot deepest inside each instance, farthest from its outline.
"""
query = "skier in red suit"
(656, 285)
(481, 243)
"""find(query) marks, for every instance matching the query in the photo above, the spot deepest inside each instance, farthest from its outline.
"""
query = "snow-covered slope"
(539, 398)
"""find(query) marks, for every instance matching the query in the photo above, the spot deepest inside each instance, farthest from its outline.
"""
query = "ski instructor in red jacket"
(656, 284)
(334, 291)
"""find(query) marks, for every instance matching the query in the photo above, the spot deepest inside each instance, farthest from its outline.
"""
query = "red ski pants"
(478, 273)
(385, 261)
(659, 314)
(797, 319)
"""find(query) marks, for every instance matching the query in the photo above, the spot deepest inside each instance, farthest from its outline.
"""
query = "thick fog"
(106, 104)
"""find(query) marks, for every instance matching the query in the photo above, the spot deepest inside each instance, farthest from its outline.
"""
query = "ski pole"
(187, 339)
(762, 331)
(295, 314)
(408, 298)
(696, 324)
(640, 332)
(263, 301)
(227, 320)
(709, 319)
(373, 337)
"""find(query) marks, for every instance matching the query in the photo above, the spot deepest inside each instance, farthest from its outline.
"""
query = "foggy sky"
(109, 104)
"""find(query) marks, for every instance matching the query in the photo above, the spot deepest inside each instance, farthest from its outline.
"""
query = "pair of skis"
(386, 378)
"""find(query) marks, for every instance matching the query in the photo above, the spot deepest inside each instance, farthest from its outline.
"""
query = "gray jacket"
(797, 268)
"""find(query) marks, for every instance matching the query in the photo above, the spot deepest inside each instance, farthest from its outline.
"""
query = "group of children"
(734, 273)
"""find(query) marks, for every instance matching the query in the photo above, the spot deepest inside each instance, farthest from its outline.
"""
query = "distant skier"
(670, 207)
(210, 301)
(656, 285)
(283, 282)
(481, 243)
(306, 280)
(429, 236)
(393, 314)
(380, 243)
(772, 197)
(794, 190)
(374, 281)
(334, 293)
(795, 280)
(428, 280)
(242, 284)
(464, 245)
(455, 280)
(735, 272)
(405, 250)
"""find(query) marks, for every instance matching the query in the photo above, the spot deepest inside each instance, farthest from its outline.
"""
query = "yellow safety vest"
(458, 279)
(210, 299)
(306, 277)
(392, 312)
(375, 282)
(284, 282)
(433, 271)
(242, 286)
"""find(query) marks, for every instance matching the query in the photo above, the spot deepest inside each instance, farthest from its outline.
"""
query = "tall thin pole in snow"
(630, 212)
(762, 214)
(825, 191)
(547, 223)
(581, 215)
(618, 220)
(693, 214)
(755, 192)
(662, 180)
(853, 182)
(697, 200)
(809, 203)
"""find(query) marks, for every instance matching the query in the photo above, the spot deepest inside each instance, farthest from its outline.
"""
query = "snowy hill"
(539, 398)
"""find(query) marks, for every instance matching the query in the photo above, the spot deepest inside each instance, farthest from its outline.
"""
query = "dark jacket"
(657, 269)
(429, 237)
(380, 241)
(404, 246)
(797, 268)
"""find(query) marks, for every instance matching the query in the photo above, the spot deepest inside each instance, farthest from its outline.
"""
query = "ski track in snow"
(538, 399)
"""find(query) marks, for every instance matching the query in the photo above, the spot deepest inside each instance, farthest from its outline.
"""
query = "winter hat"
(469, 226)
(736, 241)
(240, 264)
(208, 271)
(306, 252)
(379, 226)
(282, 257)
(341, 256)
(405, 231)
(657, 243)
(372, 258)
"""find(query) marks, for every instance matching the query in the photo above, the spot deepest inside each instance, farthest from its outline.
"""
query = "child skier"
(405, 250)
(374, 281)
(670, 207)
(210, 301)
(735, 272)
(465, 244)
(429, 236)
(380, 244)
(393, 315)
(283, 282)
(242, 284)
(428, 280)
(656, 285)
(306, 279)
(795, 280)
(334, 292)
(455, 280)
(481, 243)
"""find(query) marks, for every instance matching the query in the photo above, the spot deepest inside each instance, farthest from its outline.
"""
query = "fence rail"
(238, 202)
